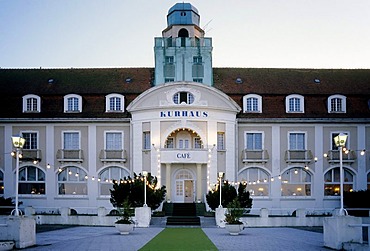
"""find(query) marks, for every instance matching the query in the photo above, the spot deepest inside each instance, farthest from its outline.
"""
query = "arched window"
(1, 182)
(31, 103)
(183, 98)
(252, 103)
(258, 181)
(114, 103)
(31, 180)
(107, 176)
(332, 182)
(184, 175)
(296, 182)
(72, 181)
(294, 103)
(183, 33)
(72, 103)
(337, 104)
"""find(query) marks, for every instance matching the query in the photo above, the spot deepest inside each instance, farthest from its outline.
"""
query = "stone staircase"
(183, 214)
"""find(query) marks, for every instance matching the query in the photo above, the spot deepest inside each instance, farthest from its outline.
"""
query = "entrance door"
(184, 186)
(189, 191)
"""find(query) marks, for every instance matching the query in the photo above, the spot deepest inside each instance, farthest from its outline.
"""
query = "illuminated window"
(31, 180)
(296, 182)
(107, 176)
(332, 182)
(1, 182)
(258, 181)
(72, 181)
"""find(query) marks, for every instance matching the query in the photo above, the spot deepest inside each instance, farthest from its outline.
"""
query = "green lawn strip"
(180, 239)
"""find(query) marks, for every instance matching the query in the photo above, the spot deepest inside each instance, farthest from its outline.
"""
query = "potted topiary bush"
(232, 217)
(125, 224)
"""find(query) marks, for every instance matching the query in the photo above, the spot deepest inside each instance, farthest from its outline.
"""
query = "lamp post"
(340, 142)
(220, 174)
(18, 143)
(145, 174)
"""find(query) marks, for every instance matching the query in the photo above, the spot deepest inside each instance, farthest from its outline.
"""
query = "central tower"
(183, 53)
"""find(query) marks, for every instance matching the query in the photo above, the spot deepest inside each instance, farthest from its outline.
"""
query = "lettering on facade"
(186, 114)
(183, 156)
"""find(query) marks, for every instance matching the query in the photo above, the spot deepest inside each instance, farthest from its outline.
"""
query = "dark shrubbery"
(229, 193)
(357, 199)
(132, 189)
(7, 205)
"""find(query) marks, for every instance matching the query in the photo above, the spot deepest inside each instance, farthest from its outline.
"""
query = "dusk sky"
(245, 33)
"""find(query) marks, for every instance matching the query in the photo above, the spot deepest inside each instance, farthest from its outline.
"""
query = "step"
(183, 221)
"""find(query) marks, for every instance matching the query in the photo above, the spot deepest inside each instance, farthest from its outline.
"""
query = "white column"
(91, 168)
(155, 134)
(230, 144)
(137, 146)
(275, 160)
(51, 179)
(361, 178)
(8, 163)
(168, 180)
(318, 180)
(199, 181)
(212, 140)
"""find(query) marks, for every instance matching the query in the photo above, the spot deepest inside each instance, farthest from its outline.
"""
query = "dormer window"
(31, 103)
(183, 98)
(114, 103)
(252, 103)
(294, 103)
(72, 103)
(337, 104)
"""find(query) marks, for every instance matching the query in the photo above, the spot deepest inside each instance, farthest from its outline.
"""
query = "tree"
(229, 193)
(132, 190)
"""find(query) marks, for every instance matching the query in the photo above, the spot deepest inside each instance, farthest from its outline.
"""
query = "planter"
(124, 228)
(6, 245)
(234, 229)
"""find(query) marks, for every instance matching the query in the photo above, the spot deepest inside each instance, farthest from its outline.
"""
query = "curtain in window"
(296, 141)
(71, 141)
(254, 141)
(114, 141)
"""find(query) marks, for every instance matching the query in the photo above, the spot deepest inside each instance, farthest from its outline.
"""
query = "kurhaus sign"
(184, 114)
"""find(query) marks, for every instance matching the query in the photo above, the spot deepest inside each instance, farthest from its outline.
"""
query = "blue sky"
(245, 33)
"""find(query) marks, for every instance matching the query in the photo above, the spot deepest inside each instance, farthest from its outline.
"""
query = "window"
(183, 97)
(107, 176)
(1, 182)
(183, 144)
(332, 182)
(197, 143)
(31, 103)
(31, 180)
(252, 103)
(167, 80)
(31, 140)
(220, 141)
(146, 140)
(71, 140)
(337, 104)
(368, 181)
(170, 143)
(258, 181)
(197, 60)
(297, 141)
(114, 103)
(254, 141)
(72, 181)
(169, 59)
(296, 182)
(198, 80)
(335, 134)
(294, 103)
(72, 103)
(113, 141)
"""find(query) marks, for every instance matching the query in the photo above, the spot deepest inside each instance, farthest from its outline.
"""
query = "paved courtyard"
(107, 238)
